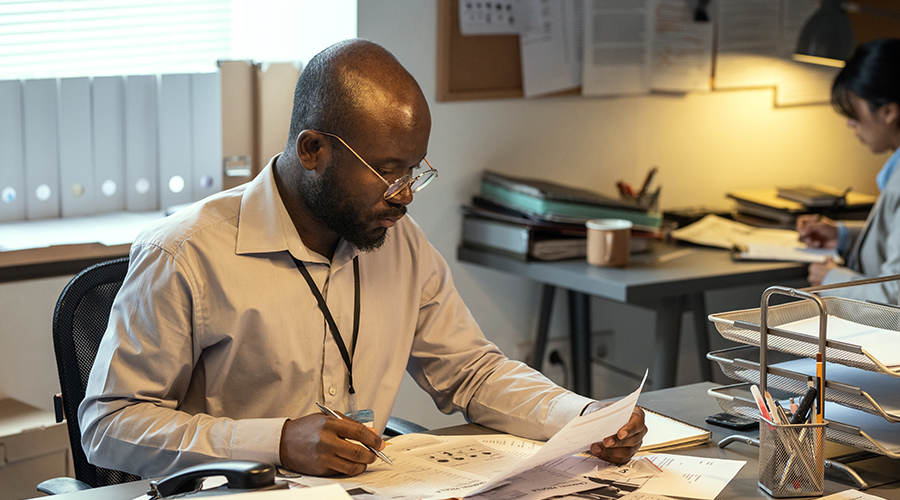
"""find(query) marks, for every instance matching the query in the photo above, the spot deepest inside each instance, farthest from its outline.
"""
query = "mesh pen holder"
(791, 459)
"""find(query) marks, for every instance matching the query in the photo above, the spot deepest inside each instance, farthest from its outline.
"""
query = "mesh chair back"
(79, 322)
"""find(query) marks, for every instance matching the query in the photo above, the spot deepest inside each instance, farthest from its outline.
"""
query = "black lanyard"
(348, 356)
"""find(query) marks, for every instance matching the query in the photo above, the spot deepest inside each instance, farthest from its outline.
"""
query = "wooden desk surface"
(695, 270)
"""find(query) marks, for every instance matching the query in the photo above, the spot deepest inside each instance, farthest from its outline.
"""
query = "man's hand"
(317, 445)
(619, 448)
(817, 231)
(817, 271)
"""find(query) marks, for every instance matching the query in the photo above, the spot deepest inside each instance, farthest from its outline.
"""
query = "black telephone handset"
(241, 475)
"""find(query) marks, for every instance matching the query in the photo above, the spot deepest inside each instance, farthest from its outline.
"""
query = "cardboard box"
(33, 447)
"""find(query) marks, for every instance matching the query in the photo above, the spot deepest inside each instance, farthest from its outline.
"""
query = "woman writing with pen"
(867, 92)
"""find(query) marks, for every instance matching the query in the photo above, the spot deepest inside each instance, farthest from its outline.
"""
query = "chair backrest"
(79, 322)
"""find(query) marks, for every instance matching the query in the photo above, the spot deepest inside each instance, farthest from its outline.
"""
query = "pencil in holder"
(791, 459)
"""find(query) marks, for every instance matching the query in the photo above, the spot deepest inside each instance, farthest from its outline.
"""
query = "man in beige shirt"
(307, 284)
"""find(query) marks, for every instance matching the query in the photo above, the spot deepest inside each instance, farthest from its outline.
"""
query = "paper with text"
(690, 477)
(575, 436)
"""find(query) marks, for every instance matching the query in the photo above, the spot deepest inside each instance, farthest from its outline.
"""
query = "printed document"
(753, 243)
(427, 466)
(672, 476)
(880, 343)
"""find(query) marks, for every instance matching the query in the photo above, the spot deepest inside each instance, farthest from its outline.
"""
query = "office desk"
(669, 288)
(690, 403)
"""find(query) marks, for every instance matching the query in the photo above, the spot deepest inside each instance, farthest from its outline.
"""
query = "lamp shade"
(828, 34)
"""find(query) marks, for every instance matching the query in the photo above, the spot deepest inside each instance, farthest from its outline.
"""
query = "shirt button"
(332, 391)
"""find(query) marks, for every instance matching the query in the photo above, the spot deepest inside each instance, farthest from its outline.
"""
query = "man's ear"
(313, 149)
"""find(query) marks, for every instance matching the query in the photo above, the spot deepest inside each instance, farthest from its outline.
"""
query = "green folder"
(562, 211)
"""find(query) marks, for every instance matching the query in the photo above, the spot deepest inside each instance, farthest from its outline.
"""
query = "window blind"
(60, 38)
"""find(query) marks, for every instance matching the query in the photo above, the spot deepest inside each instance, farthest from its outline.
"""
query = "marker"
(805, 405)
(760, 402)
(793, 407)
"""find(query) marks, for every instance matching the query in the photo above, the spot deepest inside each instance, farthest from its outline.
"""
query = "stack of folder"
(536, 219)
(776, 207)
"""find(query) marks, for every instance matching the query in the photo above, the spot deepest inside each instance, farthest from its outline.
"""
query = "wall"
(704, 144)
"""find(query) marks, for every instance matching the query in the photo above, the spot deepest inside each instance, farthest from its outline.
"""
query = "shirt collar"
(264, 225)
(888, 170)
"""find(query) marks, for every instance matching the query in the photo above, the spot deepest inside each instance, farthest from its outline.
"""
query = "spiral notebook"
(667, 433)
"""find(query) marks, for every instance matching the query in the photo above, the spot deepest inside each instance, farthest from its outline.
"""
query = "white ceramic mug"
(608, 242)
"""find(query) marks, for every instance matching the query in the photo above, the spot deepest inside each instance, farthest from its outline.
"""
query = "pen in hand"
(378, 453)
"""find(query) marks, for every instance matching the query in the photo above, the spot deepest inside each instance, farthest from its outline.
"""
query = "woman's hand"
(817, 231)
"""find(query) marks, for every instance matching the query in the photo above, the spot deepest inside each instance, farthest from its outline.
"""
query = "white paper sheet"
(681, 55)
(490, 17)
(547, 41)
(748, 43)
(573, 438)
(883, 345)
(617, 37)
(690, 477)
(754, 242)
(851, 495)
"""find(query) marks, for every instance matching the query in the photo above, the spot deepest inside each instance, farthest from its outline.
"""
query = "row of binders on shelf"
(780, 207)
(543, 220)
(91, 145)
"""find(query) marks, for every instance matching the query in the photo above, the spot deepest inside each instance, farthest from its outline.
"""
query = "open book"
(752, 243)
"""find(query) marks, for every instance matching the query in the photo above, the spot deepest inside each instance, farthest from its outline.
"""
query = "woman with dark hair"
(867, 92)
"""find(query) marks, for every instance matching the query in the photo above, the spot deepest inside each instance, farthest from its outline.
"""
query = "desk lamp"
(827, 38)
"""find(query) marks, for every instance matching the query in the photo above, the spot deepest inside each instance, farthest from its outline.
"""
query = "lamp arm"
(865, 9)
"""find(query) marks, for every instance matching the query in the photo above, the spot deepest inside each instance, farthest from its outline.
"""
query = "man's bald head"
(352, 86)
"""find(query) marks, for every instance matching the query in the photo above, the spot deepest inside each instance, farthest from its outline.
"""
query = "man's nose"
(402, 198)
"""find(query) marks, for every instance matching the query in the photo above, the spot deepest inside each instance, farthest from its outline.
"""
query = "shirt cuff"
(843, 239)
(258, 439)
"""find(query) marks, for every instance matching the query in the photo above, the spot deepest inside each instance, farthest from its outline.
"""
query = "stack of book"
(780, 207)
(536, 219)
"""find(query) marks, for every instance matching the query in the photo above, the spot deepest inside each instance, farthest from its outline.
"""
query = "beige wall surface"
(705, 144)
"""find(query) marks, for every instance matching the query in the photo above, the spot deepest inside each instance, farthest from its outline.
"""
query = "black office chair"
(79, 322)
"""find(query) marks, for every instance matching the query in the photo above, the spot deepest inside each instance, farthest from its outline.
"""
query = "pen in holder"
(791, 461)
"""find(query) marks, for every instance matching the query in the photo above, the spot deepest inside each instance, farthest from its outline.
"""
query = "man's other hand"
(317, 445)
(619, 448)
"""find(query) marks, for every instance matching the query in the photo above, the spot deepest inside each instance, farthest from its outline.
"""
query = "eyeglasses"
(415, 184)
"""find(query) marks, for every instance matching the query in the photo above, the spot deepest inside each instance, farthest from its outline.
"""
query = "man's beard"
(330, 203)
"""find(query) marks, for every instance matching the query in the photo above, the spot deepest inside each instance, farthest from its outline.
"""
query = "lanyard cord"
(347, 356)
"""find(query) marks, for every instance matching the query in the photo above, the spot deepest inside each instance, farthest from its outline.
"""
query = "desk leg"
(668, 337)
(701, 332)
(540, 341)
(580, 337)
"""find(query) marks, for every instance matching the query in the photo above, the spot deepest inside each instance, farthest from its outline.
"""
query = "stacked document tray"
(863, 363)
